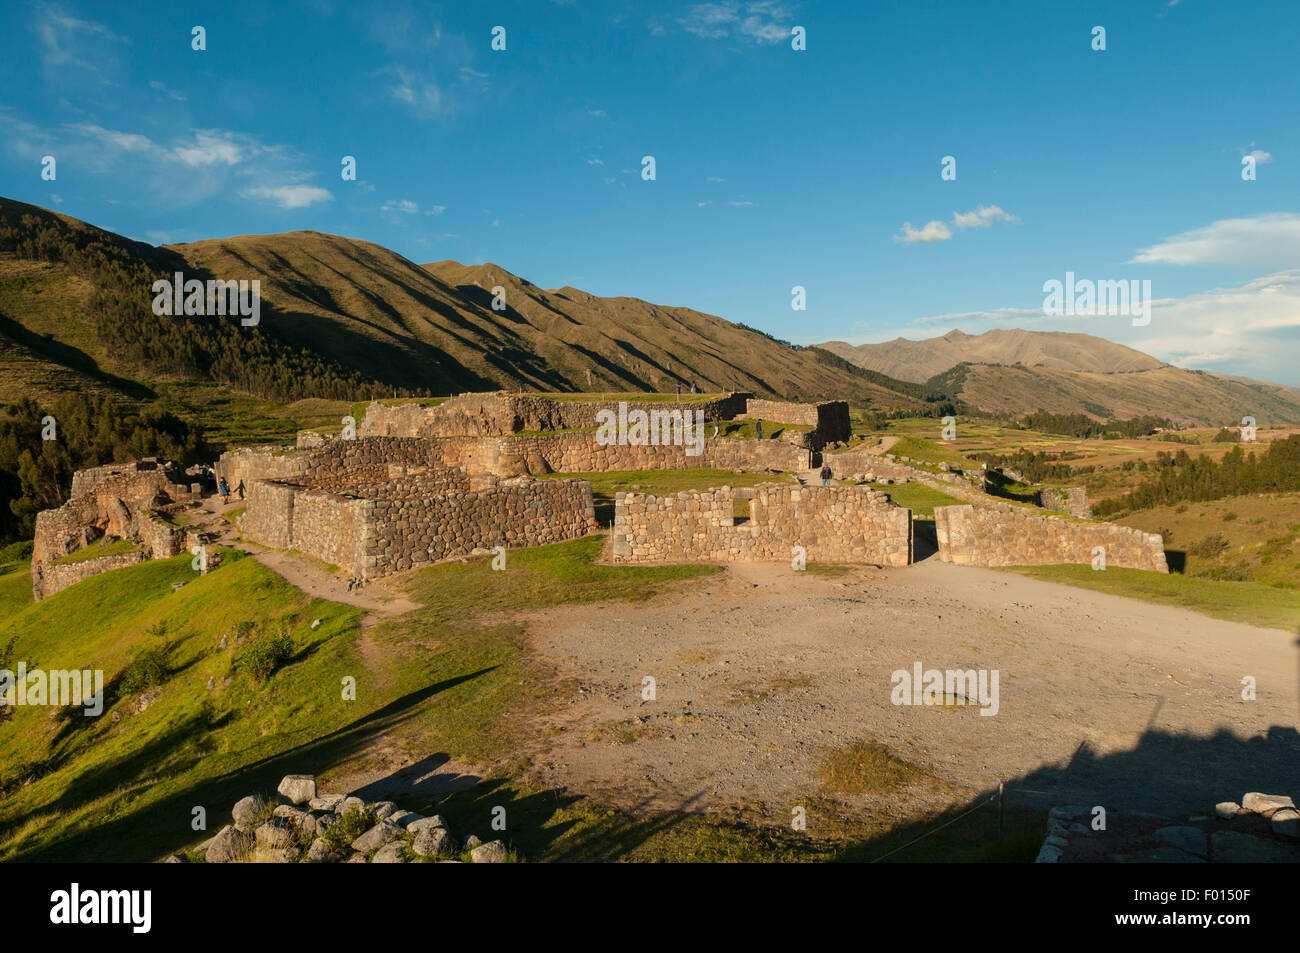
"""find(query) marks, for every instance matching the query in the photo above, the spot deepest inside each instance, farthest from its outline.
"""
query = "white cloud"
(934, 231)
(68, 42)
(436, 210)
(288, 196)
(1270, 241)
(595, 162)
(982, 217)
(405, 206)
(739, 204)
(216, 147)
(714, 178)
(128, 141)
(759, 20)
(1260, 156)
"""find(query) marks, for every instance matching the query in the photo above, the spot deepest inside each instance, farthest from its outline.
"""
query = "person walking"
(224, 489)
(758, 428)
(826, 474)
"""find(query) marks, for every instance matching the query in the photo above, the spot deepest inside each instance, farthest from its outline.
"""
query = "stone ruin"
(127, 501)
(421, 483)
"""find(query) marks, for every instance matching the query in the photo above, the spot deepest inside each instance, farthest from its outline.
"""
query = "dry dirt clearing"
(1102, 700)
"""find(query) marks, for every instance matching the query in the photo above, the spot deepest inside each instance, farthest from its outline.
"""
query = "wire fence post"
(1000, 810)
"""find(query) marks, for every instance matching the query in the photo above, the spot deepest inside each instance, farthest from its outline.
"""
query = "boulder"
(376, 837)
(433, 842)
(230, 844)
(1265, 803)
(403, 818)
(1286, 823)
(279, 855)
(493, 852)
(176, 859)
(383, 809)
(356, 857)
(320, 852)
(1227, 808)
(414, 827)
(1047, 854)
(391, 853)
(471, 842)
(297, 788)
(349, 804)
(247, 813)
(325, 802)
(276, 832)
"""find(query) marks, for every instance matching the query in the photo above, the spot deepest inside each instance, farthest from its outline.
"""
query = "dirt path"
(379, 601)
(1102, 700)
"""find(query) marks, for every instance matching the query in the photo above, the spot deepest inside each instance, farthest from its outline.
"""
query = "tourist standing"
(224, 489)
(826, 474)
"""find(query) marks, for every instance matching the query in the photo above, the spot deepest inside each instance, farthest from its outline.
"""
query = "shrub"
(263, 657)
(351, 824)
(1209, 547)
(147, 670)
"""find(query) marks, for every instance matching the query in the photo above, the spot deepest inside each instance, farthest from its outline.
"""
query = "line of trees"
(213, 347)
(1181, 477)
(1083, 426)
(90, 430)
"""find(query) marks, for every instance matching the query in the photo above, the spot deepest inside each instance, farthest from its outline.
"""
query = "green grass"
(917, 497)
(453, 679)
(866, 767)
(931, 452)
(1248, 602)
(95, 550)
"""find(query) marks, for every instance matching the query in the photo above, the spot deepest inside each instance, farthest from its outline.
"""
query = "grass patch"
(917, 497)
(1249, 602)
(96, 550)
(865, 767)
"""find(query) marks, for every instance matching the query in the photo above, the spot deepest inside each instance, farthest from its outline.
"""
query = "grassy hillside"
(122, 786)
(433, 327)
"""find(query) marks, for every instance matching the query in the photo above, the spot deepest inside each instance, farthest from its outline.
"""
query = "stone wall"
(342, 463)
(49, 578)
(1071, 500)
(502, 414)
(113, 500)
(417, 531)
(832, 524)
(377, 529)
(829, 420)
(879, 467)
(1000, 534)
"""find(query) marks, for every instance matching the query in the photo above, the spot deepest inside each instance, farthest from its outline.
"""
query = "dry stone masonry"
(1001, 534)
(119, 500)
(832, 524)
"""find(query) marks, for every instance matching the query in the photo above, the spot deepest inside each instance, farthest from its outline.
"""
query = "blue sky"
(774, 167)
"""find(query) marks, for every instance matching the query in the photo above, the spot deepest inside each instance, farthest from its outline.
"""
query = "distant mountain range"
(1014, 371)
(348, 319)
